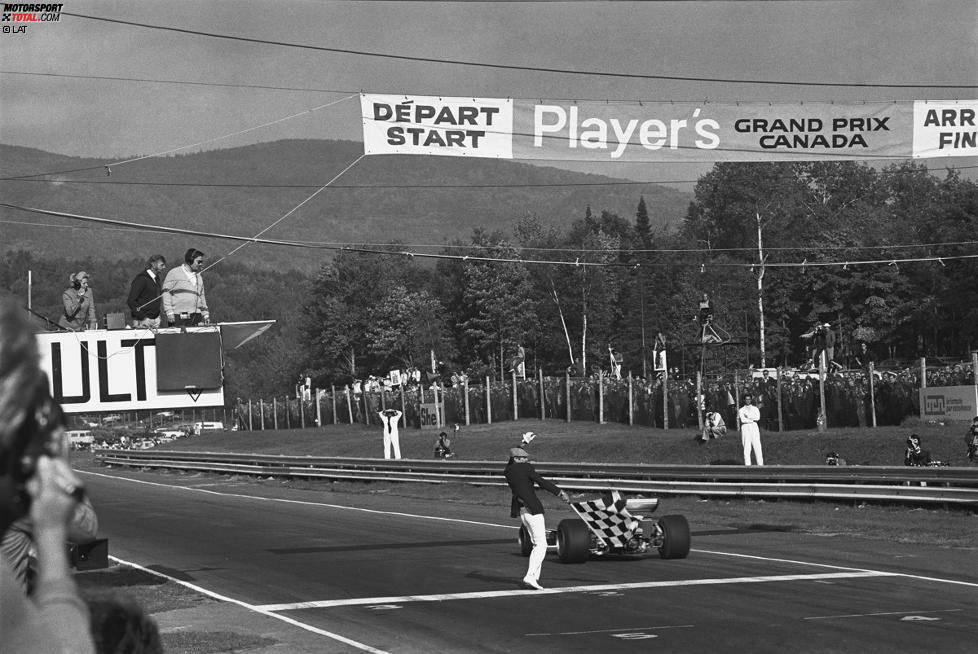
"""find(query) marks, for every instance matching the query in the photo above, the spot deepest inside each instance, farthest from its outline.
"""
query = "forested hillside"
(247, 190)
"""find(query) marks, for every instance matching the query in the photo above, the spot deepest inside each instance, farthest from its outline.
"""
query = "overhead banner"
(667, 132)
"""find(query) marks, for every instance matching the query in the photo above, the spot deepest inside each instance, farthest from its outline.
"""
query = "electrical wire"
(474, 258)
(305, 89)
(536, 69)
(420, 187)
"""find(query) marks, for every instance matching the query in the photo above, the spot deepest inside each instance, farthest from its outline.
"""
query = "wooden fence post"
(319, 409)
(332, 400)
(780, 412)
(567, 393)
(665, 398)
(488, 403)
(349, 404)
(824, 422)
(872, 391)
(631, 417)
(465, 387)
(543, 407)
(515, 404)
(699, 400)
(601, 397)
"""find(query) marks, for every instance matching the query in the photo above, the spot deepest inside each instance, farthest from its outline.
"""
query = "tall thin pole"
(641, 281)
(760, 290)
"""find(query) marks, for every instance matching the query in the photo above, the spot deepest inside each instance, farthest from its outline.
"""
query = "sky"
(50, 100)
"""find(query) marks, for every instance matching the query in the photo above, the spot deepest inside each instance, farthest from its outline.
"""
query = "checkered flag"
(610, 521)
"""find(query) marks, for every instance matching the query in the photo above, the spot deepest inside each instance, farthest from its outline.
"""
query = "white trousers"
(392, 440)
(750, 436)
(537, 526)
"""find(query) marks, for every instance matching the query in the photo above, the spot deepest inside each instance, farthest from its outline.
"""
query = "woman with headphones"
(79, 304)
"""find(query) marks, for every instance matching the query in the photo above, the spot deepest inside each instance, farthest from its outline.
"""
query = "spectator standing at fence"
(392, 440)
(54, 618)
(145, 299)
(521, 478)
(79, 304)
(750, 434)
(184, 300)
(864, 356)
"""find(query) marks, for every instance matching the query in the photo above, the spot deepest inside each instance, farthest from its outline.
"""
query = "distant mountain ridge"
(415, 200)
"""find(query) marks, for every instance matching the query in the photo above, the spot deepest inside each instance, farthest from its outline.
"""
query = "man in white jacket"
(749, 415)
(184, 301)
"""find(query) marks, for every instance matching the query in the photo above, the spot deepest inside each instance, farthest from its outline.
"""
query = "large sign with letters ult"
(667, 131)
(123, 370)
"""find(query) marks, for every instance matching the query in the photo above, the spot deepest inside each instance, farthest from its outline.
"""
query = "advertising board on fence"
(432, 415)
(949, 402)
(578, 130)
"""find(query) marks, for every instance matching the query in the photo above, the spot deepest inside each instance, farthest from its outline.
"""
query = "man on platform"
(184, 301)
(146, 294)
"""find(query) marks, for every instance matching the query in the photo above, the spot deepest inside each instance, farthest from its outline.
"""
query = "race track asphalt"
(380, 573)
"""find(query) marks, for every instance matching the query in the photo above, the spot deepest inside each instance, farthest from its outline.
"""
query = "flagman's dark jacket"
(520, 477)
(145, 289)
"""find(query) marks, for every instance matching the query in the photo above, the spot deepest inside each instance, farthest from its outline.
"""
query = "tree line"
(804, 242)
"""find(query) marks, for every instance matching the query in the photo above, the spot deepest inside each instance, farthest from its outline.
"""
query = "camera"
(41, 434)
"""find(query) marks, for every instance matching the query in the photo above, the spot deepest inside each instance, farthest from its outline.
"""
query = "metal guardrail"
(898, 484)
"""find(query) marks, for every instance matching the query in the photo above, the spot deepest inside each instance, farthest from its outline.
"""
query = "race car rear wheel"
(526, 544)
(573, 541)
(675, 537)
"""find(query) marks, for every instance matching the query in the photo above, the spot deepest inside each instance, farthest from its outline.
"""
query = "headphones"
(75, 279)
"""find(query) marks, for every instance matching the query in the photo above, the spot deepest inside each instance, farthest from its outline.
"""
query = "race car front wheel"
(675, 537)
(573, 541)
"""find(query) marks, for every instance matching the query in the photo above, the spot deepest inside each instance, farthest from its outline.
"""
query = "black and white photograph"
(335, 326)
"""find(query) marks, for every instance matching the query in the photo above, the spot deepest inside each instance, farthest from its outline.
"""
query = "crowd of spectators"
(847, 399)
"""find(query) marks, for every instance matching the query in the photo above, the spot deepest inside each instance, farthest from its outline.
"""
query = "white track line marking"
(941, 580)
(256, 609)
(619, 630)
(301, 502)
(869, 615)
(360, 601)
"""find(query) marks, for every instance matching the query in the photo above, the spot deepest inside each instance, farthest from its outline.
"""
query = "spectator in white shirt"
(750, 434)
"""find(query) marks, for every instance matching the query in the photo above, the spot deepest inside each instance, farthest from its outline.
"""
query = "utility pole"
(760, 289)
(641, 281)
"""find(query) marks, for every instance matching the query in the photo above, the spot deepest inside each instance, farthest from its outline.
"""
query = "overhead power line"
(537, 69)
(146, 80)
(261, 185)
(702, 264)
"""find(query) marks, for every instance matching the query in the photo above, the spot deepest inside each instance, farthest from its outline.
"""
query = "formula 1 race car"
(614, 525)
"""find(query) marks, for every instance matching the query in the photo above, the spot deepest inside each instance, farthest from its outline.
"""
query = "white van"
(80, 439)
(200, 427)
